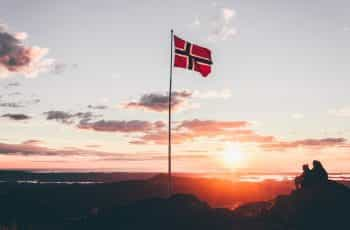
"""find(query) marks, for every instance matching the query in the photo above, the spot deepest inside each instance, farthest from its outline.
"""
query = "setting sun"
(232, 156)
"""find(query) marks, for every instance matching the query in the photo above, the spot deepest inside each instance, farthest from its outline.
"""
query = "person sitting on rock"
(319, 174)
(303, 180)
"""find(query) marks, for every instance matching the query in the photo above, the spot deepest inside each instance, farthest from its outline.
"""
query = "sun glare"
(232, 157)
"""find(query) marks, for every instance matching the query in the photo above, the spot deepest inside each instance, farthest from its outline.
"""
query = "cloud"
(228, 14)
(161, 157)
(24, 149)
(27, 149)
(93, 146)
(101, 107)
(16, 116)
(222, 27)
(208, 126)
(341, 112)
(161, 138)
(138, 142)
(11, 104)
(153, 157)
(121, 126)
(85, 121)
(309, 143)
(32, 142)
(32, 148)
(189, 130)
(18, 104)
(66, 117)
(14, 94)
(232, 131)
(298, 116)
(147, 132)
(59, 68)
(157, 102)
(12, 84)
(16, 58)
(213, 94)
(196, 23)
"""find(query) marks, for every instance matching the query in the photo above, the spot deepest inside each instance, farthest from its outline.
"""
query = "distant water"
(83, 178)
(53, 182)
(287, 177)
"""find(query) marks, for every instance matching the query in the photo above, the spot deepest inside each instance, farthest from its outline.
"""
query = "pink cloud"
(157, 102)
(16, 58)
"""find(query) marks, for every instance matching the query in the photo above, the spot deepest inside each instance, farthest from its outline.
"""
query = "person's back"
(303, 180)
(319, 174)
(307, 180)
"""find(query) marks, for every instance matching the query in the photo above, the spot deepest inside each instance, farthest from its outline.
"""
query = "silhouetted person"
(304, 179)
(319, 174)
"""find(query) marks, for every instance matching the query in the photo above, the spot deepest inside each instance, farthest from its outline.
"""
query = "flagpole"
(169, 117)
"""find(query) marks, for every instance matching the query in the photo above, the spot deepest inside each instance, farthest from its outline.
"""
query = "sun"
(232, 157)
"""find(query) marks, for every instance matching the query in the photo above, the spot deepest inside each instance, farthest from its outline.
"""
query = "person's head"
(306, 168)
(317, 164)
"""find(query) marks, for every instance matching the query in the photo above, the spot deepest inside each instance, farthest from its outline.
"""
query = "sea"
(63, 177)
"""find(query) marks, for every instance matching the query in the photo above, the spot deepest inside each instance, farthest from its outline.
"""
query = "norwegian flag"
(192, 57)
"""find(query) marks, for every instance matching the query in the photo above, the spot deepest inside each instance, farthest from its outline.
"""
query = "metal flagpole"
(169, 131)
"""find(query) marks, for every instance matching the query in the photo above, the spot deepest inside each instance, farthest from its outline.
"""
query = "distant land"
(102, 203)
(90, 176)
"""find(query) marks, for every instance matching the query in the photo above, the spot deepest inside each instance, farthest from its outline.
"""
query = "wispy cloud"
(208, 126)
(16, 58)
(68, 118)
(16, 116)
(32, 142)
(59, 67)
(222, 27)
(297, 116)
(87, 121)
(11, 104)
(195, 23)
(233, 131)
(340, 112)
(158, 102)
(310, 143)
(32, 148)
(12, 84)
(212, 94)
(189, 130)
(99, 107)
(180, 100)
(121, 126)
(18, 104)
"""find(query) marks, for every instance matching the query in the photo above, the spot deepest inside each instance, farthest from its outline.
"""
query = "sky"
(83, 85)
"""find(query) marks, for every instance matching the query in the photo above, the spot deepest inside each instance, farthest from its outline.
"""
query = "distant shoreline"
(27, 176)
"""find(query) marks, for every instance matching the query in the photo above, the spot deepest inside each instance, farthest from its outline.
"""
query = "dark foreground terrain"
(142, 204)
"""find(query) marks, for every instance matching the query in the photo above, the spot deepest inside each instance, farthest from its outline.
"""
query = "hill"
(319, 207)
(144, 204)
